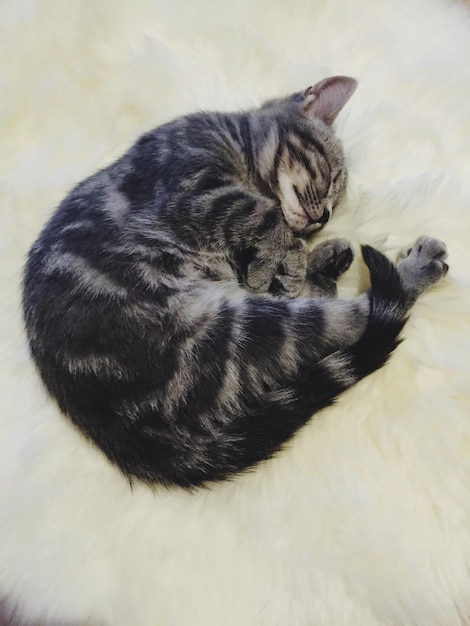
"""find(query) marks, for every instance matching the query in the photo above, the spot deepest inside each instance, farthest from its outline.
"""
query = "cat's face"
(301, 159)
(311, 181)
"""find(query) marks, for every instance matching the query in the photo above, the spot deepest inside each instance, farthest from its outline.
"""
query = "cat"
(173, 307)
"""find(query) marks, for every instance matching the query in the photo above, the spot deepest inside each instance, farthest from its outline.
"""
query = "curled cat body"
(174, 310)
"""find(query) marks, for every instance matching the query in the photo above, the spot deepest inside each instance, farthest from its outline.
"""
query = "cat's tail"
(389, 304)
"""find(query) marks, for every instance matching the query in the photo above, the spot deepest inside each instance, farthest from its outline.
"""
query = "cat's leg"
(248, 227)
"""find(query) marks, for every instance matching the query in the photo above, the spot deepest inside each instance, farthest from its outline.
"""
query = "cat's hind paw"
(423, 264)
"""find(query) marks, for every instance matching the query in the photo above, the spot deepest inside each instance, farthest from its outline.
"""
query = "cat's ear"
(326, 99)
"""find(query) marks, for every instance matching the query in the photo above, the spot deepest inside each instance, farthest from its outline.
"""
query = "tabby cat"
(173, 307)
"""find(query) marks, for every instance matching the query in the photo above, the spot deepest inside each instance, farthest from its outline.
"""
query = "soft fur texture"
(364, 518)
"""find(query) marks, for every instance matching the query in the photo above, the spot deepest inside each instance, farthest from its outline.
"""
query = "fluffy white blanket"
(365, 518)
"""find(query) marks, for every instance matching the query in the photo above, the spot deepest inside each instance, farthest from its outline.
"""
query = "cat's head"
(300, 158)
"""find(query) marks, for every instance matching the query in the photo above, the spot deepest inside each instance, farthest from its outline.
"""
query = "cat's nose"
(324, 218)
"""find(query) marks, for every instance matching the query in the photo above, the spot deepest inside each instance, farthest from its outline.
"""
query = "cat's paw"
(331, 258)
(423, 264)
(292, 271)
(258, 277)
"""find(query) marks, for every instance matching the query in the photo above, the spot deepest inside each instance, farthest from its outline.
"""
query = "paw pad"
(423, 264)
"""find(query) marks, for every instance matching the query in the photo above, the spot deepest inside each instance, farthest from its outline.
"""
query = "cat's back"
(119, 208)
(144, 188)
(105, 266)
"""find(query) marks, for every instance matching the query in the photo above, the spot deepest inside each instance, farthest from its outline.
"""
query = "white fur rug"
(365, 519)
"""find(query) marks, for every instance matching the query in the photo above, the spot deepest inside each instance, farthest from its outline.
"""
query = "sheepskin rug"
(364, 519)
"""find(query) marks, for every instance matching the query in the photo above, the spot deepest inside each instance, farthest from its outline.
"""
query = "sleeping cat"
(173, 307)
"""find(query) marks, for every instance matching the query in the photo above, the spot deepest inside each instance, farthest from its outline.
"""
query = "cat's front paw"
(326, 263)
(331, 258)
(292, 271)
(423, 264)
